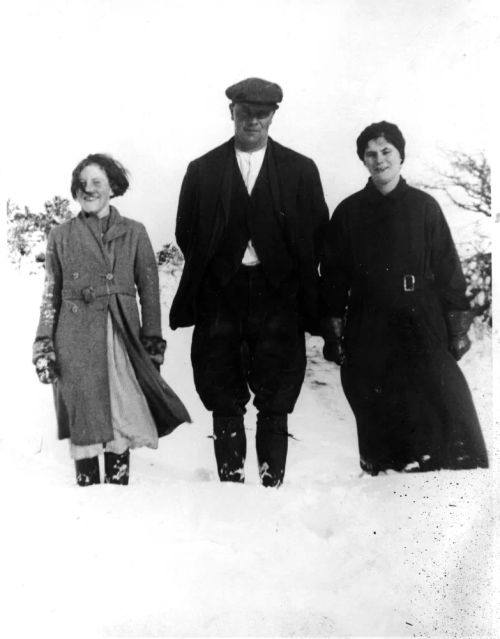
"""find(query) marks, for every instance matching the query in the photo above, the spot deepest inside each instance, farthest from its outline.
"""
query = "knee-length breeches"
(248, 337)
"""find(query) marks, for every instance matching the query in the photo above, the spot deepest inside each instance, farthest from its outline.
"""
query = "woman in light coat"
(102, 357)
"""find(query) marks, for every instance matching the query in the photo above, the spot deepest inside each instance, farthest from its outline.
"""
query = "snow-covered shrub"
(477, 271)
(171, 257)
(170, 262)
(27, 231)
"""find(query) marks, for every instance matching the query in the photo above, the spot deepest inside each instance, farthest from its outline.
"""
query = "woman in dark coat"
(396, 319)
(102, 358)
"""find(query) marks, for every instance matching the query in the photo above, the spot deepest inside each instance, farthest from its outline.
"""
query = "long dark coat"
(410, 399)
(86, 277)
(204, 205)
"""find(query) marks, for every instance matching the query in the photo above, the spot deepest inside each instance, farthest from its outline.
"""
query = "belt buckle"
(408, 282)
(88, 294)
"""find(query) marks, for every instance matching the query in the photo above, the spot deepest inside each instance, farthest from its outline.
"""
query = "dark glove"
(46, 370)
(155, 348)
(44, 359)
(458, 323)
(332, 329)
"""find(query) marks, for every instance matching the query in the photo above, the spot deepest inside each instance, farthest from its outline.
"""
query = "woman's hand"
(458, 346)
(155, 348)
(458, 323)
(44, 359)
(46, 369)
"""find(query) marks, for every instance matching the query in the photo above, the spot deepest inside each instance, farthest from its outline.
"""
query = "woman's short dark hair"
(376, 130)
(116, 173)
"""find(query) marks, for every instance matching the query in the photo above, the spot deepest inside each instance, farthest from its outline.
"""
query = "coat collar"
(117, 227)
(117, 224)
(374, 196)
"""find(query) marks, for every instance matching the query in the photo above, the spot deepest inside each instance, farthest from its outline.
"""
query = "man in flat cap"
(249, 221)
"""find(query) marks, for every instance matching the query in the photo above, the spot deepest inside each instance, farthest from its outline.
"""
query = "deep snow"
(176, 553)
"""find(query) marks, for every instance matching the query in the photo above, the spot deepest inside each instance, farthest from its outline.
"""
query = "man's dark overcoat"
(391, 263)
(204, 205)
(87, 277)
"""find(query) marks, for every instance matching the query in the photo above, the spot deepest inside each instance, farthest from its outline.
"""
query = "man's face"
(251, 125)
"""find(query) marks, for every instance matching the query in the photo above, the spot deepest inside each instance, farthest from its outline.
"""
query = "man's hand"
(333, 351)
(332, 329)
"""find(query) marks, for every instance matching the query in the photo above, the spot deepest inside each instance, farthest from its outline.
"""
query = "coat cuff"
(43, 347)
(458, 322)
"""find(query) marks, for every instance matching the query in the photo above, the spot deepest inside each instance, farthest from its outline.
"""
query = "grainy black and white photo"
(249, 319)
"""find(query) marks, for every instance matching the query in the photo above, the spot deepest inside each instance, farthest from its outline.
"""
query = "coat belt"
(390, 284)
(90, 293)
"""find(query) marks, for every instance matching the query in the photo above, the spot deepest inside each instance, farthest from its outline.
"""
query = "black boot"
(87, 471)
(230, 445)
(116, 468)
(272, 447)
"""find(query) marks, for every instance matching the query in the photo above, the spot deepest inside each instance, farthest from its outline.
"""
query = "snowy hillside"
(332, 553)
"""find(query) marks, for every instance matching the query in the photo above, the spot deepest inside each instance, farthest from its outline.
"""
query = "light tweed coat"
(87, 277)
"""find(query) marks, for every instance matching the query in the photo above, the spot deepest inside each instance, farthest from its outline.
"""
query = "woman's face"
(94, 191)
(383, 161)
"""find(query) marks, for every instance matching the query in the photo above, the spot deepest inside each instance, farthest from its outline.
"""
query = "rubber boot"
(230, 445)
(272, 448)
(116, 468)
(87, 471)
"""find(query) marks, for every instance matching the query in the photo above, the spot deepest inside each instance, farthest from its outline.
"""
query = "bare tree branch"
(467, 183)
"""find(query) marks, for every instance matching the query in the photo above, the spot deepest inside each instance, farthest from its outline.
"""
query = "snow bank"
(176, 553)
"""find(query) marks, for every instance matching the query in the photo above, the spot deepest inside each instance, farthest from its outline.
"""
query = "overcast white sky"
(144, 80)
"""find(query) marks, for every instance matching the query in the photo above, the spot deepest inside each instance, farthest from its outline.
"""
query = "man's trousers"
(248, 338)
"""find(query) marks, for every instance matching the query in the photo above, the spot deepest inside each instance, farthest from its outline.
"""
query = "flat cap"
(256, 91)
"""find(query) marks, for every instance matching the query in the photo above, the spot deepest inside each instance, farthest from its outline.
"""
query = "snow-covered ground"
(176, 553)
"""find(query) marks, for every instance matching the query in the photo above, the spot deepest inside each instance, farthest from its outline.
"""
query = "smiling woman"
(94, 191)
(97, 179)
(90, 343)
(383, 161)
(396, 319)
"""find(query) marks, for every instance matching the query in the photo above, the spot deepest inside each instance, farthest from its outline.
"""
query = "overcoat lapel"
(93, 239)
(117, 227)
(215, 198)
(274, 184)
(90, 239)
(284, 179)
(227, 184)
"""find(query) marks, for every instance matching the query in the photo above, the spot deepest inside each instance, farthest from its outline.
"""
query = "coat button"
(109, 276)
(74, 308)
(76, 276)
